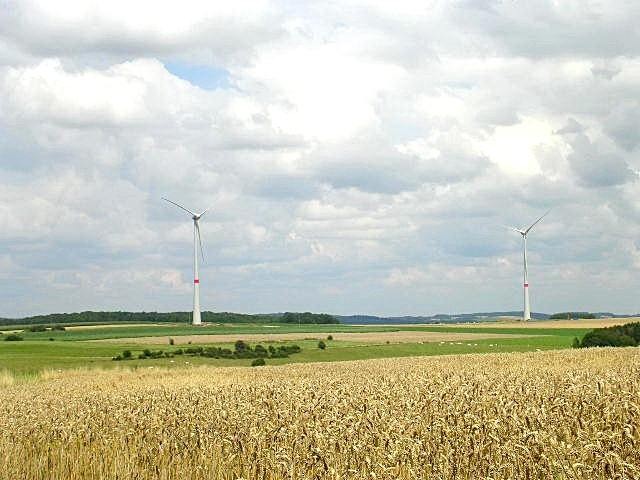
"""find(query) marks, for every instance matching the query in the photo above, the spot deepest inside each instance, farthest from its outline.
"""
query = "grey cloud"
(572, 126)
(597, 168)
(606, 70)
(539, 28)
(381, 168)
(623, 125)
(283, 186)
(31, 28)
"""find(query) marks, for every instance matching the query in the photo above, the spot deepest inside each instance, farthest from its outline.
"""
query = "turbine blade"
(534, 223)
(179, 206)
(512, 228)
(205, 211)
(200, 240)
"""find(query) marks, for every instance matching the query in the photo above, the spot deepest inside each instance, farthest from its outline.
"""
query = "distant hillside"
(169, 317)
(439, 318)
(455, 318)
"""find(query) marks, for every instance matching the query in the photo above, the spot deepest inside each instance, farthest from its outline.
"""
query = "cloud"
(572, 126)
(358, 158)
(596, 168)
(142, 28)
(540, 29)
(605, 69)
(623, 125)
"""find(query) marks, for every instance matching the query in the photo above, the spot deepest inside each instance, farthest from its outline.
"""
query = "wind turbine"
(526, 313)
(196, 241)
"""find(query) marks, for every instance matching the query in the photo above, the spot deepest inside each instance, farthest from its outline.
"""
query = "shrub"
(240, 346)
(330, 337)
(37, 328)
(288, 349)
(50, 339)
(58, 327)
(607, 339)
(258, 362)
(13, 337)
(618, 336)
(178, 352)
(322, 345)
(171, 342)
(126, 354)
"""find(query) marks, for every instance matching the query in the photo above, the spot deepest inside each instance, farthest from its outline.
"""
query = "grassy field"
(570, 414)
(94, 346)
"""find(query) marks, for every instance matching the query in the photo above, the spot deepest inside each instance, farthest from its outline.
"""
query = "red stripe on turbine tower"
(196, 281)
(526, 285)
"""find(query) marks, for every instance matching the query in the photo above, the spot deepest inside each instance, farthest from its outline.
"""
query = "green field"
(173, 330)
(53, 350)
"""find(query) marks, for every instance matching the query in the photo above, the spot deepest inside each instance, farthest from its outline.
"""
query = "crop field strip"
(365, 337)
(562, 414)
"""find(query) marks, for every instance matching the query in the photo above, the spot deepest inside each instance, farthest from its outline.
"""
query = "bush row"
(13, 337)
(241, 350)
(44, 328)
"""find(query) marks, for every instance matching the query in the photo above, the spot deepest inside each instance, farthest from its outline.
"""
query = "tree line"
(169, 317)
(571, 315)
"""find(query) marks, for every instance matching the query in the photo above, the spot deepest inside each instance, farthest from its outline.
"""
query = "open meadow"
(570, 414)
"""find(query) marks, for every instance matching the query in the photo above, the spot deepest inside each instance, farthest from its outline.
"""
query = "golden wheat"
(569, 414)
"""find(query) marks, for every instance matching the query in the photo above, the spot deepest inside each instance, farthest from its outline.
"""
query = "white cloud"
(513, 147)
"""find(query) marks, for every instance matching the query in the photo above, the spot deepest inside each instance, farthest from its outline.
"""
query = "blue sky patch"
(204, 76)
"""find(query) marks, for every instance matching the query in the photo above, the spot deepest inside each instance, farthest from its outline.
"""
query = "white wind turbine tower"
(196, 279)
(526, 313)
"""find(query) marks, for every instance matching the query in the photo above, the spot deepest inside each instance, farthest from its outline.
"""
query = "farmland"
(95, 345)
(562, 414)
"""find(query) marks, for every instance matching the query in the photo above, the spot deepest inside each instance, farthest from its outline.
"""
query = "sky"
(357, 156)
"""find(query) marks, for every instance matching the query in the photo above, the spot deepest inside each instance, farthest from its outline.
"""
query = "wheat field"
(565, 414)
